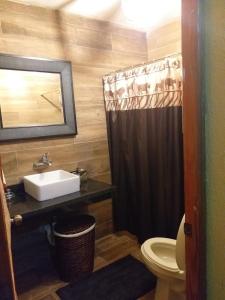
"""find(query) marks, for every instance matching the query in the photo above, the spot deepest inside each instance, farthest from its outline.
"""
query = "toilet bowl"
(165, 258)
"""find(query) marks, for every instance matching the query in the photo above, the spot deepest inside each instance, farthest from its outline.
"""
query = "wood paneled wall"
(95, 48)
(164, 40)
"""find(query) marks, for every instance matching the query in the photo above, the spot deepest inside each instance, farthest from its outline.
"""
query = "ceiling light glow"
(148, 13)
(91, 7)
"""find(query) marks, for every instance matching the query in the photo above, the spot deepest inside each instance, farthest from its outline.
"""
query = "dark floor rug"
(125, 279)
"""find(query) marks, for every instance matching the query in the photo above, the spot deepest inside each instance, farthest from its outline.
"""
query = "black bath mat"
(125, 279)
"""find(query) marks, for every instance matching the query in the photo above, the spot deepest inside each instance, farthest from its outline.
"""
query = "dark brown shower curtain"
(144, 120)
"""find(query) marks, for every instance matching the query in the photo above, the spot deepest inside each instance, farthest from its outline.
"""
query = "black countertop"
(26, 206)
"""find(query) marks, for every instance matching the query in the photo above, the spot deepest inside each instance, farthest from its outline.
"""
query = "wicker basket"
(74, 247)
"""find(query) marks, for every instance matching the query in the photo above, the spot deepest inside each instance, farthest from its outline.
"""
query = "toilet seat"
(169, 263)
(165, 258)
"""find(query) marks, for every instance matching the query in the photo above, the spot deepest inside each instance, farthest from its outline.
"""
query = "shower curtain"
(144, 122)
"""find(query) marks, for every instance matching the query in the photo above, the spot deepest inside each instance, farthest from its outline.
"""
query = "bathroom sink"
(48, 185)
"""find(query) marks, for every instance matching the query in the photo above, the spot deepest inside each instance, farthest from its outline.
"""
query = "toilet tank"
(180, 246)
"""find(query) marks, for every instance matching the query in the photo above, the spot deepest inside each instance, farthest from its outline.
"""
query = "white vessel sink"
(49, 185)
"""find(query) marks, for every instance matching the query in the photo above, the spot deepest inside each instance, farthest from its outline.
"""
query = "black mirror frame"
(61, 67)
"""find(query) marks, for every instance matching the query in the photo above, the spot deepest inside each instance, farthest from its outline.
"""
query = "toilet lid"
(167, 263)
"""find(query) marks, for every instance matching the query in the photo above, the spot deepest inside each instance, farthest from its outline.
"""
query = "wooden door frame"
(7, 280)
(193, 129)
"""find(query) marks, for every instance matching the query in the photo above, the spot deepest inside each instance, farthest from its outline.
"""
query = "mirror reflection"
(29, 98)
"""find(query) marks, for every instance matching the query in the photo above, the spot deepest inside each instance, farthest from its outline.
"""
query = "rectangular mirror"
(36, 98)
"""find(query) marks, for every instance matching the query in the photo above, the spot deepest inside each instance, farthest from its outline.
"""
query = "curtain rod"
(145, 63)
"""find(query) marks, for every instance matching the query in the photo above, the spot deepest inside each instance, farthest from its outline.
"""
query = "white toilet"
(166, 259)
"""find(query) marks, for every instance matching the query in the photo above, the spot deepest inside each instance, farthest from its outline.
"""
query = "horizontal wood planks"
(165, 40)
(95, 48)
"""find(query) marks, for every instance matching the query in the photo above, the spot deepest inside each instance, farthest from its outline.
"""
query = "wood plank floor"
(107, 250)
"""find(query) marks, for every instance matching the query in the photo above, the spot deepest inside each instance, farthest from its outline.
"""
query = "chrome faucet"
(43, 162)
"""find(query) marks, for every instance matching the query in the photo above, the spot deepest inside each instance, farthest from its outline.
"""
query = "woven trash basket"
(75, 247)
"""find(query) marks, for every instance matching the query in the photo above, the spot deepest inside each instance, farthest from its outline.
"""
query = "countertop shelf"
(26, 206)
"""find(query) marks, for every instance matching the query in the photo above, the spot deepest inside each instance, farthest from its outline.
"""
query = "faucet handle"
(46, 156)
(44, 161)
